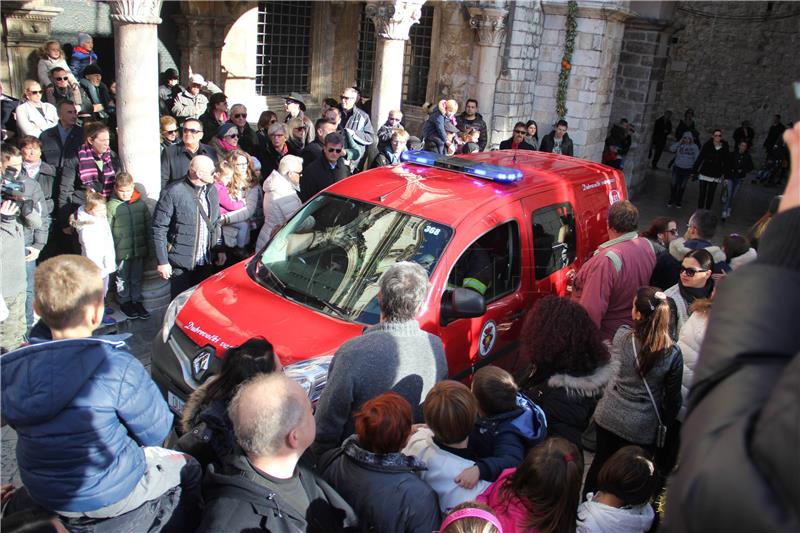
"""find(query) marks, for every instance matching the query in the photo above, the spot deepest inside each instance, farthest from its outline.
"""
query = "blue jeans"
(129, 280)
(30, 266)
(733, 187)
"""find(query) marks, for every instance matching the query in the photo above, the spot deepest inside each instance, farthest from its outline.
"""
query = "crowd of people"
(714, 162)
(614, 368)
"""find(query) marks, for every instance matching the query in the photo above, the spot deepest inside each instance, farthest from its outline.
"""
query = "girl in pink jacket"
(542, 494)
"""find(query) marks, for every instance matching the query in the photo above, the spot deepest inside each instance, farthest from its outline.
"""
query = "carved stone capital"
(490, 23)
(394, 18)
(25, 24)
(136, 11)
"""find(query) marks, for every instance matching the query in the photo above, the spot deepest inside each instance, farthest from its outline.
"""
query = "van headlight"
(173, 309)
(311, 374)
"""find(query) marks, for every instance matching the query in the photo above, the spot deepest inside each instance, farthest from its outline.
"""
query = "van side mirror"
(461, 303)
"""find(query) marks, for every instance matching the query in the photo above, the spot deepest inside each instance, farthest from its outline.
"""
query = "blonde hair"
(43, 49)
(399, 134)
(93, 200)
(27, 84)
(63, 287)
(239, 182)
(124, 179)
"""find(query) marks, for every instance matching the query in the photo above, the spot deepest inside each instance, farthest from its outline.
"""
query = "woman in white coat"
(691, 338)
(33, 115)
(280, 197)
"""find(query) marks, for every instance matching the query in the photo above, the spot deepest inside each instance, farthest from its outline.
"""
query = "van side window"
(491, 264)
(553, 239)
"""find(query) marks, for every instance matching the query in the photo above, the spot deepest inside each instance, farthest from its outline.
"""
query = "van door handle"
(517, 315)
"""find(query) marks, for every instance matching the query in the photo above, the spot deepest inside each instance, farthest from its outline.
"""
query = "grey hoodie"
(595, 517)
(685, 154)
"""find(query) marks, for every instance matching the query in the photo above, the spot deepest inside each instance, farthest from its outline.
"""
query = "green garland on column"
(566, 61)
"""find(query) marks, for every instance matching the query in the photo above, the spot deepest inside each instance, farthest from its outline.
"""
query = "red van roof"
(447, 196)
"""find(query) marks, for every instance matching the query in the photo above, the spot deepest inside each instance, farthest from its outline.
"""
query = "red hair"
(384, 423)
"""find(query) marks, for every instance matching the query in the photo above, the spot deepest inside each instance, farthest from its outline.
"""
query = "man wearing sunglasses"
(175, 159)
(248, 138)
(699, 232)
(356, 124)
(517, 140)
(61, 89)
(326, 170)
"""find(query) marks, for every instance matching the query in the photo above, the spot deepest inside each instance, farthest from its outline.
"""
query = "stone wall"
(515, 93)
(734, 61)
(594, 64)
(637, 90)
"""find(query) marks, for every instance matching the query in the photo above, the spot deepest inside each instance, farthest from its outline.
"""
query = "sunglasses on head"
(193, 131)
(690, 272)
(240, 115)
(332, 150)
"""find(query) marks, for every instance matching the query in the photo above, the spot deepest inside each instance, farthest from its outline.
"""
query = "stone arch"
(238, 61)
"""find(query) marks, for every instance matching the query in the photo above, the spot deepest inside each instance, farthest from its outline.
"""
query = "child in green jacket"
(129, 219)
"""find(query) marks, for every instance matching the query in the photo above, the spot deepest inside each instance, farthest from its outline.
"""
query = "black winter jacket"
(568, 401)
(548, 142)
(506, 145)
(319, 175)
(57, 153)
(712, 162)
(175, 161)
(176, 224)
(384, 489)
(463, 123)
(237, 500)
(738, 468)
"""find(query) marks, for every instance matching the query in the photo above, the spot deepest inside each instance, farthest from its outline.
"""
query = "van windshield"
(330, 255)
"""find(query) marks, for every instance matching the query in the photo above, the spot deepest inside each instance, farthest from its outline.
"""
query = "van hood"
(229, 308)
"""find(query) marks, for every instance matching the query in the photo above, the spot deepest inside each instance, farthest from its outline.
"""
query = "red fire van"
(534, 217)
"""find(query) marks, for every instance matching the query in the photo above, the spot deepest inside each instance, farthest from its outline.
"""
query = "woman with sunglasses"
(169, 131)
(225, 141)
(662, 231)
(33, 115)
(711, 167)
(694, 283)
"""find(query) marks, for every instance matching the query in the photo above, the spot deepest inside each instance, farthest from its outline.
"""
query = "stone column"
(490, 25)
(26, 28)
(393, 19)
(136, 53)
(637, 91)
(201, 38)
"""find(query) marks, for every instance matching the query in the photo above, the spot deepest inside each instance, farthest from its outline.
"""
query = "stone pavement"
(751, 202)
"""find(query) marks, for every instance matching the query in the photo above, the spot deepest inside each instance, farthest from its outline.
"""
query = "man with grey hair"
(356, 125)
(263, 487)
(393, 355)
(248, 139)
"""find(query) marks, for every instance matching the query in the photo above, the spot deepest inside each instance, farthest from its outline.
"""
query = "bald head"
(201, 170)
(268, 412)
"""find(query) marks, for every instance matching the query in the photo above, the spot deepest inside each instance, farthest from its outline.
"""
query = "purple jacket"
(607, 283)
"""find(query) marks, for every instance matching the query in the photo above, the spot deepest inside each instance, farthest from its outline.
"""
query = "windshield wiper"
(338, 311)
(276, 281)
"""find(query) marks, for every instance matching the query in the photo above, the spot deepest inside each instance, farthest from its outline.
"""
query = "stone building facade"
(730, 61)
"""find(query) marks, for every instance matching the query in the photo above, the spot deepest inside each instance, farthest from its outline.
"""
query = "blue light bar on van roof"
(467, 166)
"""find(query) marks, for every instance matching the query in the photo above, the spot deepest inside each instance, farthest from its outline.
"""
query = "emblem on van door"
(488, 336)
(613, 197)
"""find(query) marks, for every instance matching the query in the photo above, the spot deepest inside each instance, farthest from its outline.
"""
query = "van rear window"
(331, 254)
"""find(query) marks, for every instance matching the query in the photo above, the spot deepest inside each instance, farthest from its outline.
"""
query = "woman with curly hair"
(234, 184)
(569, 365)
